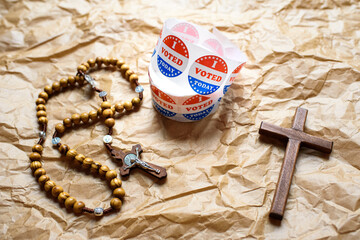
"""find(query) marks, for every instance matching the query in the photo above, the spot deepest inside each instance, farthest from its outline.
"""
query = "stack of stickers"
(191, 69)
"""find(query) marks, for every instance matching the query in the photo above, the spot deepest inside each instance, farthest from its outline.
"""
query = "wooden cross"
(295, 137)
(132, 159)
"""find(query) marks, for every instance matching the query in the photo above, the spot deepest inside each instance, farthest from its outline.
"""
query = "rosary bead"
(71, 80)
(44, 95)
(40, 101)
(110, 175)
(99, 111)
(136, 101)
(115, 183)
(106, 61)
(55, 140)
(35, 165)
(56, 86)
(60, 128)
(113, 61)
(95, 166)
(84, 117)
(87, 163)
(128, 74)
(63, 82)
(42, 134)
(64, 148)
(75, 118)
(103, 169)
(55, 191)
(40, 107)
(35, 156)
(67, 122)
(69, 202)
(105, 105)
(79, 158)
(80, 80)
(82, 68)
(91, 62)
(124, 68)
(62, 197)
(139, 89)
(119, 63)
(110, 122)
(99, 61)
(38, 172)
(37, 148)
(116, 203)
(107, 113)
(49, 185)
(133, 77)
(71, 154)
(78, 207)
(43, 120)
(107, 139)
(119, 107)
(48, 89)
(113, 109)
(41, 113)
(93, 115)
(119, 192)
(43, 179)
(98, 211)
(127, 105)
(86, 65)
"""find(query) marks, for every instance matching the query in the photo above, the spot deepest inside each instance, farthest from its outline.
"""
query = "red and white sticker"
(207, 74)
(186, 31)
(196, 103)
(162, 98)
(214, 45)
(232, 77)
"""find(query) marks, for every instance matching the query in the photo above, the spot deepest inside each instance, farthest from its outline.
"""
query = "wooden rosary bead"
(119, 63)
(71, 80)
(63, 82)
(87, 163)
(86, 65)
(136, 101)
(105, 105)
(71, 154)
(37, 148)
(95, 166)
(103, 169)
(75, 118)
(56, 86)
(93, 115)
(62, 197)
(113, 61)
(110, 122)
(82, 68)
(128, 74)
(67, 122)
(38, 172)
(107, 113)
(55, 191)
(35, 165)
(40, 107)
(119, 192)
(79, 158)
(69, 202)
(115, 183)
(91, 62)
(48, 89)
(113, 109)
(49, 185)
(44, 95)
(110, 175)
(127, 105)
(133, 77)
(78, 207)
(106, 61)
(60, 128)
(43, 179)
(124, 68)
(99, 111)
(43, 120)
(35, 156)
(119, 107)
(40, 101)
(99, 61)
(64, 149)
(84, 117)
(41, 113)
(116, 203)
(80, 80)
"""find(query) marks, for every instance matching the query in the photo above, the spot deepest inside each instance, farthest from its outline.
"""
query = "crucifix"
(295, 138)
(132, 159)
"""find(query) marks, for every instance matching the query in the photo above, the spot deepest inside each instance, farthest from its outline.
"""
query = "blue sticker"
(167, 69)
(199, 115)
(226, 88)
(163, 111)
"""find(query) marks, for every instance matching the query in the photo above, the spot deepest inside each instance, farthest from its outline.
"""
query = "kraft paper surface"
(221, 174)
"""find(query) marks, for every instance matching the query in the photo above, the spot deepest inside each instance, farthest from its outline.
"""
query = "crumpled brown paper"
(221, 176)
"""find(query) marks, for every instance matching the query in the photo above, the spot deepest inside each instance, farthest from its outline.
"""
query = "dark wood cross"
(132, 159)
(295, 138)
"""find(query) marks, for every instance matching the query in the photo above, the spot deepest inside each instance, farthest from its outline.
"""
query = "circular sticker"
(207, 74)
(162, 95)
(173, 56)
(186, 31)
(197, 103)
(232, 77)
(214, 45)
(163, 111)
(199, 115)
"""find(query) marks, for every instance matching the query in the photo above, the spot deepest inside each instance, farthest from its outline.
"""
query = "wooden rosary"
(129, 160)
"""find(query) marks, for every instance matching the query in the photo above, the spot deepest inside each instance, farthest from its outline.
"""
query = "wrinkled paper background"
(221, 175)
